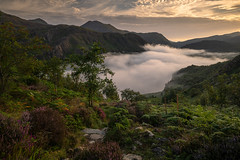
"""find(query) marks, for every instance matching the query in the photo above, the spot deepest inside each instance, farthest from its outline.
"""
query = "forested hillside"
(48, 114)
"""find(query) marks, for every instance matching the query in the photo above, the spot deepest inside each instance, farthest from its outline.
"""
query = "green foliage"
(16, 53)
(118, 126)
(90, 64)
(110, 91)
(131, 95)
(54, 69)
(234, 88)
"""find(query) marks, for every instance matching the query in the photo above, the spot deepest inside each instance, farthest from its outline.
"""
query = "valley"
(125, 95)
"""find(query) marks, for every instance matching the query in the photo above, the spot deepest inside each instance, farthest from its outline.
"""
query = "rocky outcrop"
(132, 157)
(94, 135)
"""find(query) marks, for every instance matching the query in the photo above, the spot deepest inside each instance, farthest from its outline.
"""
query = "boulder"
(132, 157)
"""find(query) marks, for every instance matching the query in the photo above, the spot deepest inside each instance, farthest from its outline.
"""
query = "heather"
(44, 110)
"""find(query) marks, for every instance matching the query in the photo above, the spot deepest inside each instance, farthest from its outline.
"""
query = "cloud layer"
(149, 71)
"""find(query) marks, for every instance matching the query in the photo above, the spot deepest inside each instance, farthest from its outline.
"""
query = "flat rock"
(139, 128)
(150, 134)
(132, 157)
(93, 131)
(96, 137)
(91, 142)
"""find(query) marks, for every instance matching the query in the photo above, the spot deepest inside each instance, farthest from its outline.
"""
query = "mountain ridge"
(67, 39)
(150, 37)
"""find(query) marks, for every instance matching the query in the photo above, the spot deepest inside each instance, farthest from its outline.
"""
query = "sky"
(176, 19)
(148, 72)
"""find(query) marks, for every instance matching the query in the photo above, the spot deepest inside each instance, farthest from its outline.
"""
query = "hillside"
(46, 114)
(218, 43)
(225, 37)
(194, 81)
(39, 21)
(213, 46)
(102, 28)
(155, 38)
(150, 38)
(66, 39)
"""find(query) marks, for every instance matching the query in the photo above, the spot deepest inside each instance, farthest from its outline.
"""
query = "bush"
(119, 126)
(48, 125)
(153, 119)
(87, 116)
(100, 151)
(15, 141)
(228, 148)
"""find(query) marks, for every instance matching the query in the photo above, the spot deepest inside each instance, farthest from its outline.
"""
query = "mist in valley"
(149, 71)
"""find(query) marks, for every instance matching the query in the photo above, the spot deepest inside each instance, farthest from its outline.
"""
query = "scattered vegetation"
(43, 111)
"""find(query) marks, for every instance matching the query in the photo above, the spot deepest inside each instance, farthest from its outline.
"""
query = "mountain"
(67, 39)
(225, 37)
(214, 46)
(192, 79)
(155, 38)
(150, 38)
(38, 20)
(102, 28)
(218, 43)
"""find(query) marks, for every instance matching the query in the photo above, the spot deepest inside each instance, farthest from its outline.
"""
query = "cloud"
(151, 70)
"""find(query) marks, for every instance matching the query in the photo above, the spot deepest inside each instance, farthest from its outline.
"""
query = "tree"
(55, 68)
(234, 89)
(110, 91)
(221, 87)
(90, 65)
(131, 95)
(16, 49)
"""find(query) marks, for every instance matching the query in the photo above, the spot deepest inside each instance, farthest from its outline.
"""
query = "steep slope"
(150, 38)
(213, 46)
(38, 20)
(102, 28)
(67, 39)
(155, 38)
(191, 79)
(225, 37)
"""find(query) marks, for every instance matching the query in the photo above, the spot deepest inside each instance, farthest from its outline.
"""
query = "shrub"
(74, 122)
(86, 116)
(153, 119)
(119, 126)
(100, 151)
(15, 140)
(48, 125)
(228, 148)
(100, 112)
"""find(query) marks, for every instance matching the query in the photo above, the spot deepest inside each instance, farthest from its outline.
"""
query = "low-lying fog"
(149, 71)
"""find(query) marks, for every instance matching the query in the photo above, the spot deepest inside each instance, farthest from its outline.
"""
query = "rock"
(132, 157)
(93, 131)
(139, 143)
(134, 148)
(150, 134)
(91, 142)
(158, 151)
(96, 136)
(162, 140)
(139, 128)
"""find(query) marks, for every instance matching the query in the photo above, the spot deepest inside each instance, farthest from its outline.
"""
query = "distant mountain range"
(67, 39)
(218, 43)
